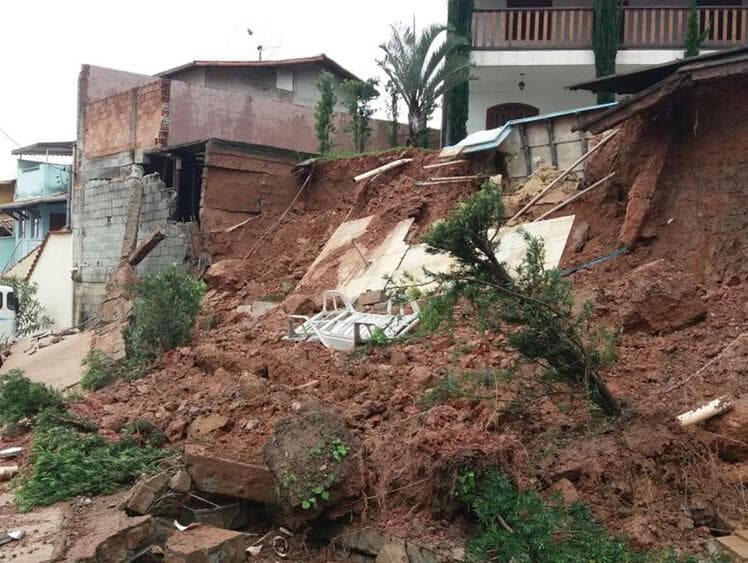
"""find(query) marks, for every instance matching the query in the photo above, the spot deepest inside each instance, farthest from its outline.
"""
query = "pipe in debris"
(705, 412)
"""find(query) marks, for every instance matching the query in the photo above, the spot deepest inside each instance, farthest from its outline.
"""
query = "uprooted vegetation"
(67, 461)
(68, 457)
(535, 308)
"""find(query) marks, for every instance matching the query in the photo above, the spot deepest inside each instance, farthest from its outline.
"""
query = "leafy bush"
(519, 526)
(31, 317)
(20, 397)
(65, 463)
(166, 307)
(101, 370)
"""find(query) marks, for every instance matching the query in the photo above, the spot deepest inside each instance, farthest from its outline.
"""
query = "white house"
(527, 51)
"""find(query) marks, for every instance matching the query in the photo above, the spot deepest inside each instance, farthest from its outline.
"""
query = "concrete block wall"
(99, 215)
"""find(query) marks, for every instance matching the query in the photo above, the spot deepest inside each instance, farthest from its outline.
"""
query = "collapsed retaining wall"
(100, 212)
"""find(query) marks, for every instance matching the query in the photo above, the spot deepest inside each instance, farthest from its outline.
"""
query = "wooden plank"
(734, 36)
(634, 27)
(562, 17)
(553, 37)
(626, 27)
(145, 247)
(494, 29)
(502, 29)
(476, 29)
(576, 196)
(510, 29)
(535, 28)
(572, 21)
(521, 28)
(448, 163)
(652, 25)
(662, 26)
(546, 22)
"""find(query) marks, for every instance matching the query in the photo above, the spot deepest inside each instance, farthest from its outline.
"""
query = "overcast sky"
(43, 44)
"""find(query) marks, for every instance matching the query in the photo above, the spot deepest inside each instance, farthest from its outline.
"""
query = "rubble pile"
(348, 446)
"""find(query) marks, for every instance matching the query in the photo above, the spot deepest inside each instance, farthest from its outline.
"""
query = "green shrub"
(166, 307)
(65, 463)
(20, 397)
(31, 317)
(101, 370)
(520, 526)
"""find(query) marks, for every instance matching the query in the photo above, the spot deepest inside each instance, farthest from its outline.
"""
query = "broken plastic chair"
(341, 327)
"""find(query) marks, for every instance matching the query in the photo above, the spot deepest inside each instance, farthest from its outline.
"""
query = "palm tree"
(421, 71)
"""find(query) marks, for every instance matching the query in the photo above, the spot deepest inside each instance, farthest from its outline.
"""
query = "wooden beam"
(564, 174)
(145, 247)
(440, 164)
(576, 196)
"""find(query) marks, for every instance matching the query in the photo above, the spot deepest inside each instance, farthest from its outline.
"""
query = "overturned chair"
(341, 327)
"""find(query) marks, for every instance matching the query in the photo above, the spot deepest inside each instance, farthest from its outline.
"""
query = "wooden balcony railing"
(571, 28)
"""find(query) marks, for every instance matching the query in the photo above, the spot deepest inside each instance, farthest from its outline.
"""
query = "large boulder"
(206, 543)
(226, 275)
(656, 297)
(228, 477)
(311, 454)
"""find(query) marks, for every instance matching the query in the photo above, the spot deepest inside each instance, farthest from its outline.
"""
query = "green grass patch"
(101, 370)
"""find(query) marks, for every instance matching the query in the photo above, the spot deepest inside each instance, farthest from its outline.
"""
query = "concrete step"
(735, 546)
(743, 534)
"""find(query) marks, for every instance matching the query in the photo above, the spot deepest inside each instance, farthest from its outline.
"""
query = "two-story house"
(39, 204)
(527, 51)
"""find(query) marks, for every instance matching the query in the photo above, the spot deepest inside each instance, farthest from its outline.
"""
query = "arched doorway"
(499, 114)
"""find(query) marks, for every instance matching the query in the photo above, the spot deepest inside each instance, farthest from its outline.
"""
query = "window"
(497, 115)
(21, 227)
(11, 301)
(36, 224)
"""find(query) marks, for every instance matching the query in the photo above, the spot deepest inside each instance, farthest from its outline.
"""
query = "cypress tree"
(605, 41)
(460, 18)
(694, 38)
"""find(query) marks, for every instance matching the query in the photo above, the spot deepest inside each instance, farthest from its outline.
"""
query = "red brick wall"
(131, 120)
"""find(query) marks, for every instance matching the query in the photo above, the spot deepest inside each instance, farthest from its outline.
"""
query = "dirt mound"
(656, 298)
(635, 472)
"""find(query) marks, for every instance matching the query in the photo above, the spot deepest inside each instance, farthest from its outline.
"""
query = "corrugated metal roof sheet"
(635, 81)
(490, 139)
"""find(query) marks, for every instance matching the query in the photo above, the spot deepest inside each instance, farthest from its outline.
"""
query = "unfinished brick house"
(193, 150)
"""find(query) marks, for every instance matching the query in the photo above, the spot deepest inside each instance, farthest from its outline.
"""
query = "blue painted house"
(40, 204)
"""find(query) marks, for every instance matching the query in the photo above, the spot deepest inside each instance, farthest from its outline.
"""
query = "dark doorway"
(56, 221)
(499, 114)
(189, 172)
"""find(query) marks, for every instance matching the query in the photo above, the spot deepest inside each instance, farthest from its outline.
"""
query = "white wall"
(53, 278)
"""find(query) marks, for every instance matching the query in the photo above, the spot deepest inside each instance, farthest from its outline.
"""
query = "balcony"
(571, 28)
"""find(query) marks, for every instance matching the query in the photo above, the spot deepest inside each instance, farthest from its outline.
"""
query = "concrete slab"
(43, 532)
(58, 365)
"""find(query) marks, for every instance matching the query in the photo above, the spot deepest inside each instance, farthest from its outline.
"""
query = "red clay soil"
(647, 479)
